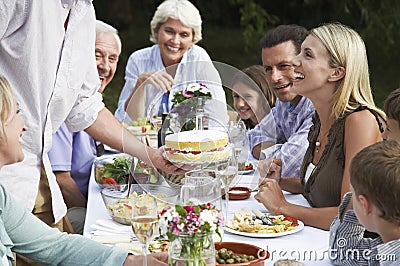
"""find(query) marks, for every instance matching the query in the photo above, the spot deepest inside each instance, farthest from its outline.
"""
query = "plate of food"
(245, 168)
(247, 223)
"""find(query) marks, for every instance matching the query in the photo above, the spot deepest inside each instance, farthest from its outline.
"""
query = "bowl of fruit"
(139, 126)
(112, 170)
(146, 174)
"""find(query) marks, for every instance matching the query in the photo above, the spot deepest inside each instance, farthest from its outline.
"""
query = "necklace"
(318, 142)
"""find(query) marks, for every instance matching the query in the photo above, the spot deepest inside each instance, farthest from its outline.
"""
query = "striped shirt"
(195, 66)
(288, 127)
(349, 247)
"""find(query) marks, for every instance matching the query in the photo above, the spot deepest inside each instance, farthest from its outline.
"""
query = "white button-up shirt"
(53, 74)
(195, 66)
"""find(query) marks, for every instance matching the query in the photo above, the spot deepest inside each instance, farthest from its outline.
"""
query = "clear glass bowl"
(119, 204)
(112, 170)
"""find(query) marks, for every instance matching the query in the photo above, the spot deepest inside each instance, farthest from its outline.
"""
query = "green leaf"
(180, 210)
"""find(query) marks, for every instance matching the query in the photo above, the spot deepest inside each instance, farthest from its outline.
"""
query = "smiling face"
(311, 67)
(107, 53)
(279, 70)
(392, 131)
(174, 39)
(247, 102)
(10, 147)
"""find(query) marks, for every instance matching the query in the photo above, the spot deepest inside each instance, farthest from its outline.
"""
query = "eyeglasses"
(99, 148)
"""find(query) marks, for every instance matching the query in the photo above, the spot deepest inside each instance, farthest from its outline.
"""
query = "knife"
(264, 218)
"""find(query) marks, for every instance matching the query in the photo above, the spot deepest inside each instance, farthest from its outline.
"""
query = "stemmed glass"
(144, 221)
(237, 135)
(227, 171)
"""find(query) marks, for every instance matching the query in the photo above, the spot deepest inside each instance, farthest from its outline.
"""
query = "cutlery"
(264, 218)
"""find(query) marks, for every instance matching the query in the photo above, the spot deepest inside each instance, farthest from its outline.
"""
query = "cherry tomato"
(291, 219)
(109, 181)
(248, 167)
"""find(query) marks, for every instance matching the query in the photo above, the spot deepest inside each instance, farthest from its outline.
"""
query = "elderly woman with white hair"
(170, 64)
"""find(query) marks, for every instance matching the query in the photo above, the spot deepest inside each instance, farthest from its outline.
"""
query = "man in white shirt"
(46, 52)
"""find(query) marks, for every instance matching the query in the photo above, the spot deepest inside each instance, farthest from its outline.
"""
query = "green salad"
(115, 173)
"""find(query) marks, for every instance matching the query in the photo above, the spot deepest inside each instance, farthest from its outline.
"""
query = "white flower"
(193, 87)
(210, 217)
(204, 90)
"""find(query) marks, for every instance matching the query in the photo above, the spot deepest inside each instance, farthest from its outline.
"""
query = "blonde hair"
(347, 49)
(7, 106)
(182, 10)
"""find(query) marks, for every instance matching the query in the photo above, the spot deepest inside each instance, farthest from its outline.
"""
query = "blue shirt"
(288, 127)
(195, 66)
(73, 152)
(23, 233)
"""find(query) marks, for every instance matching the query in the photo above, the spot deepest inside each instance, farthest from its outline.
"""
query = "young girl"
(21, 232)
(252, 97)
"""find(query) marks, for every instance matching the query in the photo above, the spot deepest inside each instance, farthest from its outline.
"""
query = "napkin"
(110, 227)
(113, 239)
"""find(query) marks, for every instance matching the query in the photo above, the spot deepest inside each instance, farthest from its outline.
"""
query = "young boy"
(375, 206)
(392, 110)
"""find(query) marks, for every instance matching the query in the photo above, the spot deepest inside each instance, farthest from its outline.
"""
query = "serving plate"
(258, 235)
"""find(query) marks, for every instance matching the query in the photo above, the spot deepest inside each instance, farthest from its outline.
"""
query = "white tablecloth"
(309, 245)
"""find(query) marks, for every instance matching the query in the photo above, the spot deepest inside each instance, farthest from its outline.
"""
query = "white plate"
(192, 163)
(245, 172)
(297, 229)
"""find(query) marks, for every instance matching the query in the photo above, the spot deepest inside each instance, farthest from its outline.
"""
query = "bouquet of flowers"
(186, 102)
(192, 226)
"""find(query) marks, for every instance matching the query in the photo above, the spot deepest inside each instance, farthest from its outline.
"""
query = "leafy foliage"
(377, 21)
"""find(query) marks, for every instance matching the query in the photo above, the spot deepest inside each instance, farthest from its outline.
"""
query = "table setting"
(309, 245)
(206, 216)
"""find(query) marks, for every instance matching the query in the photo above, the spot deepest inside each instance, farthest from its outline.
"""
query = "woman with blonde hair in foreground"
(21, 232)
(332, 71)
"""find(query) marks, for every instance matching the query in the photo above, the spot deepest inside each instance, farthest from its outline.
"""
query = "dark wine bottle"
(165, 129)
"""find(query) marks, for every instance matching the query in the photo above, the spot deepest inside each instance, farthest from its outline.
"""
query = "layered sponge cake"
(197, 145)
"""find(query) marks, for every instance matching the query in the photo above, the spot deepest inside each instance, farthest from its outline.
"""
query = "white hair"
(182, 10)
(102, 28)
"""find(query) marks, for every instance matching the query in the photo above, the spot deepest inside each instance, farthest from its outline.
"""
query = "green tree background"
(232, 30)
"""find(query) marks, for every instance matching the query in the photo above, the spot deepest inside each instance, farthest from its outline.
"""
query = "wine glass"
(237, 135)
(144, 221)
(226, 172)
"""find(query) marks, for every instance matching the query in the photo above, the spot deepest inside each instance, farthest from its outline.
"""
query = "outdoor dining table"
(309, 245)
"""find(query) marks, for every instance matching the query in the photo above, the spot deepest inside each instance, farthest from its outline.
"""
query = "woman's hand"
(271, 196)
(160, 258)
(162, 81)
(270, 168)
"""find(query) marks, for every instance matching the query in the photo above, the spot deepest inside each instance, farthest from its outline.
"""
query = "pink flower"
(188, 94)
(189, 208)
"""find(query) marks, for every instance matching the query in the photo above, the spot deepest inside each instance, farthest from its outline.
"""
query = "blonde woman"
(332, 71)
(21, 232)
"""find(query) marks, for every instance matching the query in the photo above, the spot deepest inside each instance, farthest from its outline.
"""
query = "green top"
(23, 233)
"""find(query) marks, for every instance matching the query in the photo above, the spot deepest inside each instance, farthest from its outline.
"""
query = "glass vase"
(192, 250)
